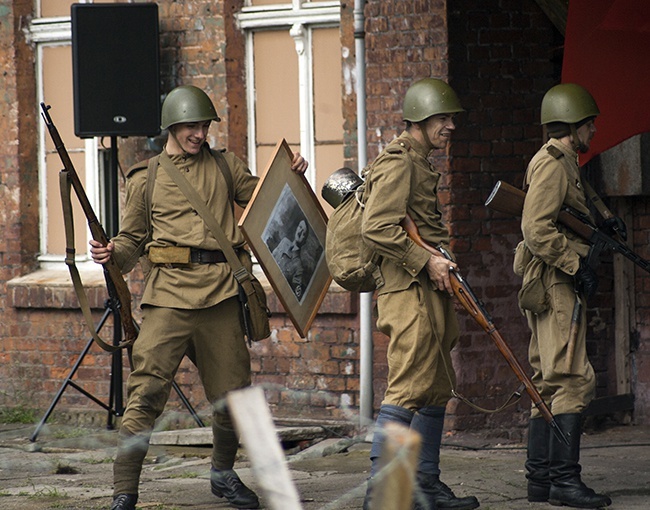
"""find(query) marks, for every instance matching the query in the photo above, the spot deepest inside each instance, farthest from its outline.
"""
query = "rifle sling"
(596, 200)
(512, 399)
(65, 185)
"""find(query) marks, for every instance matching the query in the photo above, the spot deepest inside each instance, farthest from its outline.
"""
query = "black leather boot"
(537, 462)
(440, 496)
(124, 502)
(227, 484)
(567, 488)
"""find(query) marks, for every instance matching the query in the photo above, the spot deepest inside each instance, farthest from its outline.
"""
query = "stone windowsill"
(52, 288)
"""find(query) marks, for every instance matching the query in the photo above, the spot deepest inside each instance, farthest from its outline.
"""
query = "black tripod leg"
(68, 380)
(187, 404)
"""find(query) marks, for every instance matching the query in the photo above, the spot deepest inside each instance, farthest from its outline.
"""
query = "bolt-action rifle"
(114, 279)
(510, 200)
(475, 308)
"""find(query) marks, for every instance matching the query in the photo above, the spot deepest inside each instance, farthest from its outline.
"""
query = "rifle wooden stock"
(474, 307)
(509, 200)
(97, 232)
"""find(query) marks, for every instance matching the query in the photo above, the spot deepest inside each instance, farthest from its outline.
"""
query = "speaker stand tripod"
(115, 407)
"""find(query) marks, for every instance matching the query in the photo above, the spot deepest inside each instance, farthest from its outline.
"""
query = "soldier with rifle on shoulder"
(557, 280)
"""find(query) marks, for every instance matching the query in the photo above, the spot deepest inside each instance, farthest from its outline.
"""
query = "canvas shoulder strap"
(152, 167)
(227, 173)
(240, 272)
(597, 201)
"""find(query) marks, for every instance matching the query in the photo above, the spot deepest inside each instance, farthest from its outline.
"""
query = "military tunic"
(192, 309)
(419, 320)
(175, 223)
(552, 253)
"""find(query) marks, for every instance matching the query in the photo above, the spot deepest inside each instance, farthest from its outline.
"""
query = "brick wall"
(640, 359)
(43, 334)
(500, 56)
(478, 48)
(501, 63)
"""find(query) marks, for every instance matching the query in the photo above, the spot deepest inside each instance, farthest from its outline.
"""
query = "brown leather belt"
(198, 256)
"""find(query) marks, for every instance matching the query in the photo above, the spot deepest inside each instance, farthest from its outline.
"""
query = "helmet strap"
(425, 136)
(172, 133)
(578, 145)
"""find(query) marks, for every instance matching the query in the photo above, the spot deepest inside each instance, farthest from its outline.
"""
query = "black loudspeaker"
(116, 69)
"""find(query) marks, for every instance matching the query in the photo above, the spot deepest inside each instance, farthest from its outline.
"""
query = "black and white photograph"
(292, 243)
(285, 227)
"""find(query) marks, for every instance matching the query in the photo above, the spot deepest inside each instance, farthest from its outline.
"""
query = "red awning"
(607, 51)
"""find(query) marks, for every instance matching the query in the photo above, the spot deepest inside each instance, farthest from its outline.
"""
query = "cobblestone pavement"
(71, 469)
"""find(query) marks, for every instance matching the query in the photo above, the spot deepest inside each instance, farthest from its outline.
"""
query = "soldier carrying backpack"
(414, 303)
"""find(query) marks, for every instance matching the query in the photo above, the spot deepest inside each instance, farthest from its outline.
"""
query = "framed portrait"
(285, 226)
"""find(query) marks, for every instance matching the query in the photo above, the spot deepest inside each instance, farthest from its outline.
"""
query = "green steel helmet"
(187, 103)
(428, 97)
(568, 103)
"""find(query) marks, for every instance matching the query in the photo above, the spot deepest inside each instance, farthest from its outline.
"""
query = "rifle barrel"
(98, 233)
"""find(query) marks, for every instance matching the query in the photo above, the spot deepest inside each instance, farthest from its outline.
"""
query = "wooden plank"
(393, 485)
(252, 417)
(625, 304)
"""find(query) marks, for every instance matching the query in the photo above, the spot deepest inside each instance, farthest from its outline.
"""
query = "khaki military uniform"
(547, 259)
(188, 309)
(419, 320)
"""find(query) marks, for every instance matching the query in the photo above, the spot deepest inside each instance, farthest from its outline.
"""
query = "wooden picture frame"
(285, 225)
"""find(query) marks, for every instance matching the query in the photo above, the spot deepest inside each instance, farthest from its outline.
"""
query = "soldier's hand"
(100, 253)
(586, 280)
(615, 225)
(438, 268)
(299, 164)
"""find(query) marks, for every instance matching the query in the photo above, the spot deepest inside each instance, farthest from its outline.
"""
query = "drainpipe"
(365, 298)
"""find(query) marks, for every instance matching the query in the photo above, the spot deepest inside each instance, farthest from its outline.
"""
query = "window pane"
(55, 8)
(327, 85)
(256, 3)
(328, 106)
(276, 89)
(57, 92)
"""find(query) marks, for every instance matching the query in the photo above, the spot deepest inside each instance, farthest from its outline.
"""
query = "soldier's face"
(439, 129)
(585, 133)
(187, 137)
(301, 233)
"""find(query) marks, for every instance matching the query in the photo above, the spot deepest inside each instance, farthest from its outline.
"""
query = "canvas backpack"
(351, 262)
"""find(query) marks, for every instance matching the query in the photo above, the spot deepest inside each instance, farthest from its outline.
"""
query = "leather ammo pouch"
(255, 311)
(169, 255)
(532, 296)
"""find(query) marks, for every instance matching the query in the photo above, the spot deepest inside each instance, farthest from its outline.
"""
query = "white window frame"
(48, 32)
(300, 17)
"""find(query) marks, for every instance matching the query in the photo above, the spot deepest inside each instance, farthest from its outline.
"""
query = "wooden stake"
(252, 417)
(392, 487)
